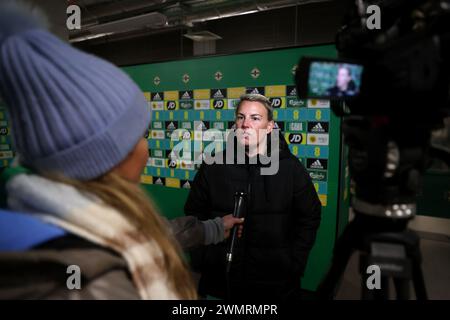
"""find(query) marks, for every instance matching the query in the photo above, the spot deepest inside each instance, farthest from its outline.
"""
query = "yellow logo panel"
(275, 91)
(146, 180)
(147, 96)
(171, 95)
(172, 182)
(235, 93)
(201, 94)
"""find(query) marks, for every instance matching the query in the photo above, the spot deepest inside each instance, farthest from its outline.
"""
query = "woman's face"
(343, 78)
(252, 123)
(132, 166)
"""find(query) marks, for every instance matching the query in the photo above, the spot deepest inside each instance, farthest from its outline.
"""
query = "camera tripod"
(386, 162)
(386, 244)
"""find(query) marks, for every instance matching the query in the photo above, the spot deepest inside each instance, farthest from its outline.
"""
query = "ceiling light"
(90, 37)
(202, 36)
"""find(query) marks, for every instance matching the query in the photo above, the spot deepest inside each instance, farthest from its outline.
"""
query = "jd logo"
(218, 104)
(172, 164)
(276, 102)
(374, 280)
(3, 131)
(171, 105)
(74, 280)
(374, 20)
(186, 135)
(295, 138)
(74, 19)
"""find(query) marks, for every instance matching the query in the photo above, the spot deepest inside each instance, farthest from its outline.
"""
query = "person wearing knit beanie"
(71, 112)
(78, 123)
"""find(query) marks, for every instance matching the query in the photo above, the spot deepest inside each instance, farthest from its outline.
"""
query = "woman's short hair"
(257, 98)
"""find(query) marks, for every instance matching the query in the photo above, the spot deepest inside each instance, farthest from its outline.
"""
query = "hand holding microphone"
(229, 221)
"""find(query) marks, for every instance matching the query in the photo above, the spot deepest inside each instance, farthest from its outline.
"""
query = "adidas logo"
(187, 185)
(218, 94)
(293, 92)
(201, 126)
(186, 95)
(317, 164)
(255, 91)
(159, 181)
(157, 97)
(171, 126)
(317, 128)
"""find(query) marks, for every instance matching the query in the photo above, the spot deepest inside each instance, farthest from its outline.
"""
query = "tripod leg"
(418, 281)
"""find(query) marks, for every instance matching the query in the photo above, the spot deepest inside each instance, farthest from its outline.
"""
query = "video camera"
(400, 68)
(392, 86)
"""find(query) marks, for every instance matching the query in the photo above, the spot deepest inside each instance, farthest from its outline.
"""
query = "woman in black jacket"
(282, 212)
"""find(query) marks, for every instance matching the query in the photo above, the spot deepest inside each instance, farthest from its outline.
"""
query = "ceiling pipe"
(177, 17)
(95, 14)
(230, 9)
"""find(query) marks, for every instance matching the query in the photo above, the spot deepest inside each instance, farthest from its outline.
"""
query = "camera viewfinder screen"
(334, 80)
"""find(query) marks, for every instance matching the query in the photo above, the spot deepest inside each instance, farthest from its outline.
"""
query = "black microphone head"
(239, 200)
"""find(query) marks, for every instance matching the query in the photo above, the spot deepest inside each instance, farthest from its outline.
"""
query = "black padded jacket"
(283, 213)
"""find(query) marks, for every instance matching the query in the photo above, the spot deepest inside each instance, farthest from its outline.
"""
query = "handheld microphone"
(239, 199)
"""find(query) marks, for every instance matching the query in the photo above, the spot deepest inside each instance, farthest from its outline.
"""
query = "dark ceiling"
(137, 31)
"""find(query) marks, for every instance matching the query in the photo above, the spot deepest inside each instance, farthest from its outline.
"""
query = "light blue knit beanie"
(71, 113)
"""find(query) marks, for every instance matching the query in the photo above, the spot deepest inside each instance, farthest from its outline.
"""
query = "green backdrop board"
(199, 95)
(6, 153)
